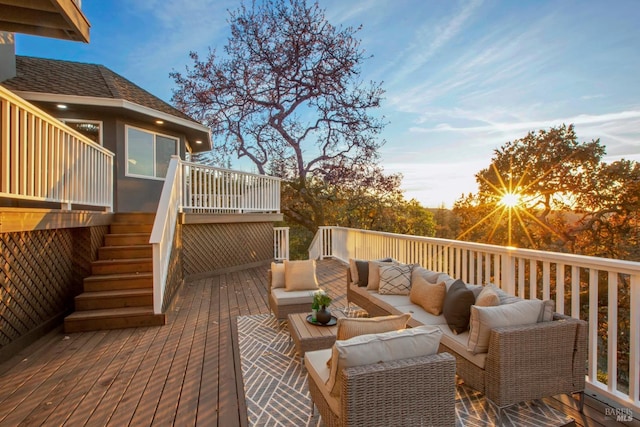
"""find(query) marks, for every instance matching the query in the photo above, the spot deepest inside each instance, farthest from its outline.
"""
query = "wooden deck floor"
(184, 373)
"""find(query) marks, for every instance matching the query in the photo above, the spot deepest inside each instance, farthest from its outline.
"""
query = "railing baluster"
(612, 335)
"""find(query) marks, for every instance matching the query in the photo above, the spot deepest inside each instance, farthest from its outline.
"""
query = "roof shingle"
(81, 79)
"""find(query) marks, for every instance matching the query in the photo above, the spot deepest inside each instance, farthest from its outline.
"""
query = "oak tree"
(286, 94)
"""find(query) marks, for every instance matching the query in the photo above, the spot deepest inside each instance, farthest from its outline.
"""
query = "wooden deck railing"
(195, 188)
(605, 292)
(210, 189)
(43, 159)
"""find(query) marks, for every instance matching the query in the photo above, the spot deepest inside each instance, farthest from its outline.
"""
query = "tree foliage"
(570, 200)
(286, 94)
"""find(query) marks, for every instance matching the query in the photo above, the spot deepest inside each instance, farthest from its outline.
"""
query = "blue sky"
(461, 77)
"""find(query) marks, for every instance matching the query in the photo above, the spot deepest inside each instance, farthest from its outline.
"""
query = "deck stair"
(119, 293)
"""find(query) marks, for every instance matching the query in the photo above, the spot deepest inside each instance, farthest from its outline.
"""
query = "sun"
(510, 200)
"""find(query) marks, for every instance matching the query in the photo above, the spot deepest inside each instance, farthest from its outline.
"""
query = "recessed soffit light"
(61, 106)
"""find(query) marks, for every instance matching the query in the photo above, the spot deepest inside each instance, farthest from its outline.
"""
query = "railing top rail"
(629, 267)
(15, 99)
(200, 165)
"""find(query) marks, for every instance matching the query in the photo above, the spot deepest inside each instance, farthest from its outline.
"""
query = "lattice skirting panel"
(40, 273)
(211, 247)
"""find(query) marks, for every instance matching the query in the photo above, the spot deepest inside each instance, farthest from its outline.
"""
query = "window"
(148, 153)
(89, 128)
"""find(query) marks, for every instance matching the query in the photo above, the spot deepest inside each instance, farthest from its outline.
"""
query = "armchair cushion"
(349, 328)
(300, 275)
(277, 275)
(283, 297)
(483, 319)
(374, 348)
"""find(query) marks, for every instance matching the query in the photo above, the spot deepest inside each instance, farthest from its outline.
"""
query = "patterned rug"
(275, 385)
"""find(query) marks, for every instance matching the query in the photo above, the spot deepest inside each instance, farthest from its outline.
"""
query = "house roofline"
(120, 103)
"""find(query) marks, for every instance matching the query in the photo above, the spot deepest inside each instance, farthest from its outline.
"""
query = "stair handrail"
(164, 227)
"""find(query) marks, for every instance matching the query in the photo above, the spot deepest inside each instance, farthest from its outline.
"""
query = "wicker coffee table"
(308, 337)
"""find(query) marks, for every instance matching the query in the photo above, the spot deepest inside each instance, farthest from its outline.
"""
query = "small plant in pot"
(321, 301)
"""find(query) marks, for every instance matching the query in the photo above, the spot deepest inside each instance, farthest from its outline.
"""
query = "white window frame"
(126, 151)
(95, 122)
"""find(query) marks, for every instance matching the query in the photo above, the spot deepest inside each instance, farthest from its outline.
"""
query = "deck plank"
(184, 373)
(208, 399)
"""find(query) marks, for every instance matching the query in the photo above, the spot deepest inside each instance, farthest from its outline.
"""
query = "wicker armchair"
(299, 301)
(407, 392)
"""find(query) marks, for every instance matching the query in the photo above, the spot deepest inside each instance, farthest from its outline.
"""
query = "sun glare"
(510, 200)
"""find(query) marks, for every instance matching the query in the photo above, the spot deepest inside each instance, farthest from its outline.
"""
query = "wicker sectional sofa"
(522, 362)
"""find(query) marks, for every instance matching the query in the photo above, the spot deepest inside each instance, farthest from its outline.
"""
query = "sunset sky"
(461, 77)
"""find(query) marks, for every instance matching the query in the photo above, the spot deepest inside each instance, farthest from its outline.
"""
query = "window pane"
(165, 148)
(88, 129)
(140, 152)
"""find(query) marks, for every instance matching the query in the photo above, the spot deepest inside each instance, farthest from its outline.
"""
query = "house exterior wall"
(42, 271)
(209, 248)
(135, 194)
(131, 194)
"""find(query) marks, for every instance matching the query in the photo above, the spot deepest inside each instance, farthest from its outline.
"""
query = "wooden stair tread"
(118, 276)
(110, 313)
(117, 293)
(123, 261)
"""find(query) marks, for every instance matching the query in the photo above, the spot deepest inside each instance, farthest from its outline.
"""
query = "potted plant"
(321, 301)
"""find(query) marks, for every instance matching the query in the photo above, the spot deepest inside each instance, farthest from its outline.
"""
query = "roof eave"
(195, 131)
(62, 19)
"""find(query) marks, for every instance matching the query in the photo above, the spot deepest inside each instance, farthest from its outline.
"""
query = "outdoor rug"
(275, 385)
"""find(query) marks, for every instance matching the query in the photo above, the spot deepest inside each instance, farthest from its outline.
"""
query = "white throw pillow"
(395, 279)
(300, 275)
(376, 348)
(277, 275)
(483, 319)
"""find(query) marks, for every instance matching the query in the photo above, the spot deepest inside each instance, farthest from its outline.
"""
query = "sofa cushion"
(284, 297)
(300, 275)
(429, 296)
(395, 279)
(483, 319)
(420, 315)
(457, 306)
(314, 361)
(488, 297)
(376, 348)
(349, 328)
(374, 274)
(392, 300)
(277, 275)
(458, 344)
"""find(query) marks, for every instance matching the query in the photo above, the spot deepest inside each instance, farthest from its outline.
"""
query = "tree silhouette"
(286, 94)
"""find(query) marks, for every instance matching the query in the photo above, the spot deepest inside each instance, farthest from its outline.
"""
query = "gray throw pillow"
(457, 307)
